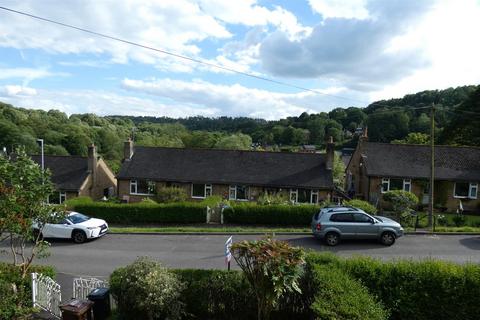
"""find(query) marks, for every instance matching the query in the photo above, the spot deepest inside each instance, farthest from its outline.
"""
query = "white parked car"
(75, 226)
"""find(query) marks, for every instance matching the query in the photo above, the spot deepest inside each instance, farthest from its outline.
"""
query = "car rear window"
(342, 217)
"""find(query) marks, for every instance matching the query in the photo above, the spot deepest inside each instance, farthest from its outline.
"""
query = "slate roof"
(413, 161)
(276, 169)
(68, 172)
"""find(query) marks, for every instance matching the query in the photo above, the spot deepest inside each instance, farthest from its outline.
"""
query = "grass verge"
(208, 229)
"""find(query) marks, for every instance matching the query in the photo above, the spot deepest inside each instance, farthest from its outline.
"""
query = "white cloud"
(27, 73)
(102, 103)
(237, 100)
(448, 35)
(249, 13)
(174, 25)
(351, 9)
(15, 90)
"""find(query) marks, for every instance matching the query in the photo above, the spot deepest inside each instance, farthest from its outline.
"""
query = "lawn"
(206, 229)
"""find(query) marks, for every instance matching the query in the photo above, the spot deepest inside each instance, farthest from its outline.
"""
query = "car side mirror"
(373, 221)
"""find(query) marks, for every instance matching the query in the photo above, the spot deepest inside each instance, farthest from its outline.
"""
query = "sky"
(347, 53)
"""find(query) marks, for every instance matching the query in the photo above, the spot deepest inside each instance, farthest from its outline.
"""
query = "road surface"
(100, 257)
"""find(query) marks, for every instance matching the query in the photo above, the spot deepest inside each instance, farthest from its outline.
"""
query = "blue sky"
(359, 50)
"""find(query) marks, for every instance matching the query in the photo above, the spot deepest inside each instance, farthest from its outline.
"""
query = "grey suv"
(341, 222)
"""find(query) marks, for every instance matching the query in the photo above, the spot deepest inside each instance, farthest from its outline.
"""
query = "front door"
(365, 226)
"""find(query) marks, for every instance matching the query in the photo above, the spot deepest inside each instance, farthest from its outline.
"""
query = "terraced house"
(376, 168)
(75, 176)
(232, 174)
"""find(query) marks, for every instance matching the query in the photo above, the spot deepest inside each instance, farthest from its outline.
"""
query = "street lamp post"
(43, 158)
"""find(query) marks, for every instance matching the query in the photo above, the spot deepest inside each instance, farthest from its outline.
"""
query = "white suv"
(75, 226)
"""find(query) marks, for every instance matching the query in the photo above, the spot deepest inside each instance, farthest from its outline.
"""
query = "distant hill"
(387, 120)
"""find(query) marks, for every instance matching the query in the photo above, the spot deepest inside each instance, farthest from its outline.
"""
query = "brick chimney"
(330, 154)
(92, 161)
(364, 137)
(128, 149)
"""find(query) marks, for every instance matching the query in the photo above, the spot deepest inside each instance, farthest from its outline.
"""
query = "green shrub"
(146, 290)
(428, 289)
(215, 294)
(400, 200)
(135, 213)
(275, 198)
(218, 294)
(339, 297)
(15, 292)
(360, 204)
(212, 201)
(270, 215)
(459, 220)
(171, 194)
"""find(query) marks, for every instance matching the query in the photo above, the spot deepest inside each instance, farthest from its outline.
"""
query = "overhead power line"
(176, 55)
(179, 56)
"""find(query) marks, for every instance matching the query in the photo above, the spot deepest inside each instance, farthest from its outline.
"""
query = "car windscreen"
(378, 218)
(78, 218)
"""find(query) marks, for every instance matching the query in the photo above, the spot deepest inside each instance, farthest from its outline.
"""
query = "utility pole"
(432, 165)
(43, 158)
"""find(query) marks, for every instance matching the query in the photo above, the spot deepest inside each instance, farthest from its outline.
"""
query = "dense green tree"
(236, 141)
(464, 129)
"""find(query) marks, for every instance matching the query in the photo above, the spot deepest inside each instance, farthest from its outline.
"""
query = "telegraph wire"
(179, 56)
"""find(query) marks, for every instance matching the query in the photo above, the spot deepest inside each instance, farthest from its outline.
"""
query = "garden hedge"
(290, 215)
(136, 213)
(429, 289)
(15, 292)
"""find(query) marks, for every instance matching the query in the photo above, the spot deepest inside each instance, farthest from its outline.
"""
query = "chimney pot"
(330, 154)
(128, 149)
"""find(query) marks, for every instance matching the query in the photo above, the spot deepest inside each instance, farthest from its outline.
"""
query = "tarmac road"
(98, 258)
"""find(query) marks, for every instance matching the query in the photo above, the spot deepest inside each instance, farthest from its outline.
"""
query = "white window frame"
(206, 187)
(233, 189)
(135, 183)
(294, 194)
(62, 195)
(312, 194)
(471, 186)
(406, 182)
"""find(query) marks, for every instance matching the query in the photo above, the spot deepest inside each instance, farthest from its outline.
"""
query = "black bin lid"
(98, 293)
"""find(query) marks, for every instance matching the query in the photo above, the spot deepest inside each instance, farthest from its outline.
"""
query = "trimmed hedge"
(134, 213)
(290, 215)
(428, 289)
(339, 297)
(15, 292)
(219, 294)
(216, 294)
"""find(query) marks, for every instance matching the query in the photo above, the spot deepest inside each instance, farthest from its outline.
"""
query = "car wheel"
(79, 236)
(387, 238)
(332, 238)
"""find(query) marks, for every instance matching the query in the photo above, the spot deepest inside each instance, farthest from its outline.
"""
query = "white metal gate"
(83, 286)
(46, 294)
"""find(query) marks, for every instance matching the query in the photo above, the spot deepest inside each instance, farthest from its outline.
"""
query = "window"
(360, 217)
(314, 197)
(342, 217)
(201, 190)
(57, 198)
(304, 196)
(465, 190)
(390, 184)
(293, 195)
(238, 193)
(143, 187)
